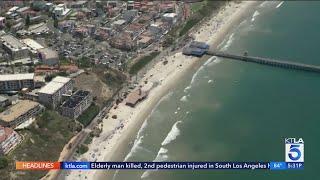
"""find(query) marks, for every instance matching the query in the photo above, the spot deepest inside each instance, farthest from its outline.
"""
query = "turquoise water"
(236, 111)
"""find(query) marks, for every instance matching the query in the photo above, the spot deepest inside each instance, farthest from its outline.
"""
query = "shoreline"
(112, 144)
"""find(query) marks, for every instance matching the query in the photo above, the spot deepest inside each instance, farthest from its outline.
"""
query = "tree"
(55, 21)
(3, 162)
(27, 20)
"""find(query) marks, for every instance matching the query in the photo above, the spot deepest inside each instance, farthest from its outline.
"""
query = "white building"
(15, 82)
(33, 45)
(15, 48)
(9, 139)
(170, 17)
(51, 94)
(61, 10)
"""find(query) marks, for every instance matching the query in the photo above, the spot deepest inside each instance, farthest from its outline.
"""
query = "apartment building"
(15, 48)
(76, 104)
(19, 113)
(51, 94)
(9, 139)
(15, 82)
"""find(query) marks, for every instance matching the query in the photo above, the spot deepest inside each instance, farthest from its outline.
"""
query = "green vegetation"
(3, 162)
(86, 117)
(88, 139)
(195, 7)
(63, 60)
(111, 77)
(190, 23)
(28, 21)
(42, 141)
(84, 62)
(142, 62)
(82, 149)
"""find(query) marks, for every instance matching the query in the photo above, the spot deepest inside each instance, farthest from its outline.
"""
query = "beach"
(118, 132)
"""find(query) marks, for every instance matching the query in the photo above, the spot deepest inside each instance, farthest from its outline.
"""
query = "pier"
(266, 61)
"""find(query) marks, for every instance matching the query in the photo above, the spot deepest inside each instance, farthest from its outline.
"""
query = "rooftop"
(75, 99)
(2, 99)
(48, 53)
(32, 44)
(54, 85)
(5, 133)
(136, 96)
(17, 110)
(12, 77)
(12, 42)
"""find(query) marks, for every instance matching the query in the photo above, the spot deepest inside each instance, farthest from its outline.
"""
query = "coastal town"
(77, 78)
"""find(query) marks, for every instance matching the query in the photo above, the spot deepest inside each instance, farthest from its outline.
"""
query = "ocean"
(236, 111)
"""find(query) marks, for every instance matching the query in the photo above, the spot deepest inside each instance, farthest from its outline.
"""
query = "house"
(9, 139)
(135, 97)
(48, 56)
(170, 17)
(144, 41)
(4, 101)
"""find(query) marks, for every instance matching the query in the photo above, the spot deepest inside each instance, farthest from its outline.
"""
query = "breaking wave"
(172, 135)
(255, 14)
(137, 142)
(228, 43)
(279, 5)
(184, 99)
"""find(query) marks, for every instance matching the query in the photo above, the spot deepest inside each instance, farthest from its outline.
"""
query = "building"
(15, 48)
(144, 41)
(19, 113)
(135, 97)
(33, 45)
(2, 22)
(170, 18)
(79, 4)
(15, 82)
(9, 139)
(51, 94)
(4, 101)
(76, 104)
(48, 56)
(61, 10)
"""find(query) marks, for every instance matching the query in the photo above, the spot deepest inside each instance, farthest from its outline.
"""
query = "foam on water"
(263, 4)
(137, 142)
(228, 43)
(210, 81)
(210, 60)
(172, 135)
(184, 99)
(279, 5)
(218, 60)
(195, 75)
(186, 89)
(255, 14)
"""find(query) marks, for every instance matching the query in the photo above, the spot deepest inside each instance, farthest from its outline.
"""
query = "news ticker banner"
(37, 165)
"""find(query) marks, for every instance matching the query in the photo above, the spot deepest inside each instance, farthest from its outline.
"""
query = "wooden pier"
(266, 61)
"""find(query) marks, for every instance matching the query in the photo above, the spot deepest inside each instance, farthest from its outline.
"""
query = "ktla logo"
(294, 150)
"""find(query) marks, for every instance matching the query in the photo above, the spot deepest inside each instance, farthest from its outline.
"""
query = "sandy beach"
(116, 133)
